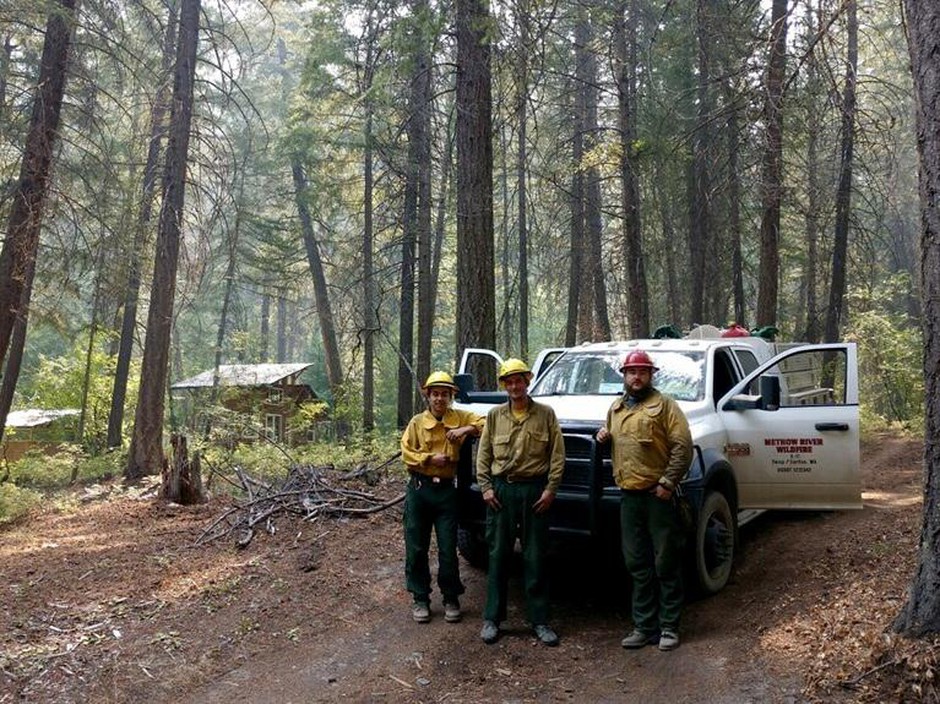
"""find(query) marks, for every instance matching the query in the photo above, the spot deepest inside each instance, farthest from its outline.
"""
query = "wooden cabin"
(268, 395)
(41, 429)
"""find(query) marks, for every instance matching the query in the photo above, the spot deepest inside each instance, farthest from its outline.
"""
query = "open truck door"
(793, 430)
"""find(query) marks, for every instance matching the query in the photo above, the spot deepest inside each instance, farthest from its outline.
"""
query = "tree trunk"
(334, 366)
(813, 200)
(89, 354)
(442, 201)
(145, 455)
(223, 315)
(476, 308)
(574, 327)
(522, 102)
(505, 317)
(182, 479)
(598, 322)
(14, 361)
(699, 211)
(265, 332)
(5, 53)
(148, 192)
(17, 257)
(422, 137)
(921, 614)
(406, 315)
(625, 27)
(576, 243)
(772, 168)
(840, 244)
(369, 299)
(734, 215)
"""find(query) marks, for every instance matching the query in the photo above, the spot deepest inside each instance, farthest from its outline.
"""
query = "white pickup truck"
(774, 427)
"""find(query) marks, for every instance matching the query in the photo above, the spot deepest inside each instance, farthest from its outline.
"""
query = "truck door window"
(725, 376)
(747, 360)
(810, 378)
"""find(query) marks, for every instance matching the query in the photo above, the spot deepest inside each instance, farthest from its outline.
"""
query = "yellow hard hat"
(440, 379)
(514, 366)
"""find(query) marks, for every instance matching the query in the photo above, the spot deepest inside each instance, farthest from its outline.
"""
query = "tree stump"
(182, 480)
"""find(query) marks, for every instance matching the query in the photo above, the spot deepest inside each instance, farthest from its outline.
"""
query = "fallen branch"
(305, 492)
(849, 684)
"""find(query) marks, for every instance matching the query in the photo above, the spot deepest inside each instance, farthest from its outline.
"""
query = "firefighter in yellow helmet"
(519, 466)
(430, 448)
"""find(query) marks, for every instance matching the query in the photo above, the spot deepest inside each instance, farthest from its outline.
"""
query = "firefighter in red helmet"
(652, 449)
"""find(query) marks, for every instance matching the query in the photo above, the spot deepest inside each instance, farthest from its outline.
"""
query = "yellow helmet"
(514, 366)
(440, 379)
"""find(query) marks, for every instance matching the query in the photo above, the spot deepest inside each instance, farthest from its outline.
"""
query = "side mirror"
(464, 384)
(742, 402)
(768, 400)
(770, 392)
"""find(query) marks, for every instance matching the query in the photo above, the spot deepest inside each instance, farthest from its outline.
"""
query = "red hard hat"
(637, 358)
(735, 330)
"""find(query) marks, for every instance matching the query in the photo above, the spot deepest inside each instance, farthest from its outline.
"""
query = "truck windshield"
(681, 375)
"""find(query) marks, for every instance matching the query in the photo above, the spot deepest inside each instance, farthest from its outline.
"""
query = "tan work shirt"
(426, 436)
(651, 442)
(521, 449)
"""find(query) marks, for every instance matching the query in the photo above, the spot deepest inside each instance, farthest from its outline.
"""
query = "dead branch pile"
(306, 492)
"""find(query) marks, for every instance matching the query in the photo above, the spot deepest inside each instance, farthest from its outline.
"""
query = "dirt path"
(111, 603)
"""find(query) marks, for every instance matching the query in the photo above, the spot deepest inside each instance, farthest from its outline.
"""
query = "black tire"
(715, 543)
(472, 545)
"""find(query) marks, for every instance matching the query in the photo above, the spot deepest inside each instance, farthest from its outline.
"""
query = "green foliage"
(268, 461)
(69, 464)
(890, 370)
(16, 502)
(57, 383)
(308, 413)
(42, 471)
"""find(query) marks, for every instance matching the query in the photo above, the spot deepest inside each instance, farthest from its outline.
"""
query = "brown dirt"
(110, 601)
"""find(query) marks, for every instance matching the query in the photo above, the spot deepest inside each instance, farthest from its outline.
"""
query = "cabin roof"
(244, 375)
(35, 417)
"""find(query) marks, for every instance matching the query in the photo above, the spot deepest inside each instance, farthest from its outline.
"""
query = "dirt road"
(112, 603)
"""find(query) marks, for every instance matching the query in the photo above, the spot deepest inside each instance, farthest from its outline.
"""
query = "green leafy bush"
(41, 471)
(890, 368)
(16, 502)
(57, 382)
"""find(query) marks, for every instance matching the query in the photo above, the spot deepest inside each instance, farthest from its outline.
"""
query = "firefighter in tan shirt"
(519, 467)
(430, 448)
(652, 449)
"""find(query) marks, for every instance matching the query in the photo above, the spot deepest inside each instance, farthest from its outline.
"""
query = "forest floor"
(109, 600)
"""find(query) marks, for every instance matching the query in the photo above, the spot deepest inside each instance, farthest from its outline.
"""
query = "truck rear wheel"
(472, 545)
(715, 539)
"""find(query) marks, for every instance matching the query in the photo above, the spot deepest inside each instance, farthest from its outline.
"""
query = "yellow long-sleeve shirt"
(651, 442)
(520, 449)
(426, 436)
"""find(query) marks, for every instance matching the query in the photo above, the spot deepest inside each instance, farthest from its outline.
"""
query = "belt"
(521, 480)
(422, 479)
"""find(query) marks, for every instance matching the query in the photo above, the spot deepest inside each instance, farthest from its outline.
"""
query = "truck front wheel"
(472, 545)
(715, 538)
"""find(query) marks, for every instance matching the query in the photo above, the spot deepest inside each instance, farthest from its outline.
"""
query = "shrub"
(16, 502)
(890, 368)
(41, 471)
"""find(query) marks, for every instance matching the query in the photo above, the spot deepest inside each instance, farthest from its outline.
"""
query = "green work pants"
(651, 539)
(431, 505)
(517, 517)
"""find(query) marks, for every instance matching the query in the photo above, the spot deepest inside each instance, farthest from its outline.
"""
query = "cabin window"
(274, 426)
